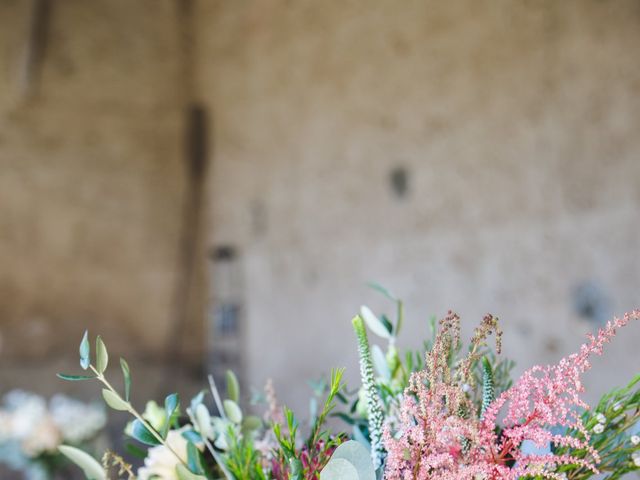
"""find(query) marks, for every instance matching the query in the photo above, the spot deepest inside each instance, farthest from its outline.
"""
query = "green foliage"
(102, 357)
(85, 351)
(143, 433)
(74, 378)
(126, 374)
(233, 387)
(185, 474)
(610, 426)
(91, 468)
(114, 400)
(225, 441)
(488, 390)
(375, 414)
(306, 462)
(350, 461)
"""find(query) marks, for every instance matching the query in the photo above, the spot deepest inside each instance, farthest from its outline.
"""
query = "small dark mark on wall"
(399, 182)
(591, 302)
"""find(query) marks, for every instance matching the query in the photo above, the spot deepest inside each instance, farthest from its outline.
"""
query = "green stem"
(134, 412)
(216, 456)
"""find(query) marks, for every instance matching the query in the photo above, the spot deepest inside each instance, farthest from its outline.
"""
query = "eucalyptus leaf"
(233, 387)
(171, 405)
(192, 436)
(251, 423)
(233, 412)
(193, 459)
(203, 421)
(102, 357)
(126, 373)
(89, 465)
(197, 400)
(339, 469)
(85, 351)
(184, 474)
(380, 362)
(114, 401)
(374, 323)
(358, 456)
(142, 434)
(74, 378)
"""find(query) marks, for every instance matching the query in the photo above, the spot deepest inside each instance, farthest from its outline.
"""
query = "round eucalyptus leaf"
(114, 401)
(339, 469)
(233, 412)
(357, 455)
(102, 357)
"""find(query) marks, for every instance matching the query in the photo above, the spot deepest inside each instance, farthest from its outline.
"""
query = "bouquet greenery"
(445, 412)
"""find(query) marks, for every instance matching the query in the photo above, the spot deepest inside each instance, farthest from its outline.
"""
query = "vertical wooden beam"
(187, 301)
(35, 47)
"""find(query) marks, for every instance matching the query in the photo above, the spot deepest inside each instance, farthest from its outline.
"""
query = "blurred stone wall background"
(474, 155)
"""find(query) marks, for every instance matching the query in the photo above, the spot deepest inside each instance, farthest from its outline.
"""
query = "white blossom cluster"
(36, 426)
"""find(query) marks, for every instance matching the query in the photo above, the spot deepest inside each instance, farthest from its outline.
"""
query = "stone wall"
(474, 155)
(516, 126)
(92, 184)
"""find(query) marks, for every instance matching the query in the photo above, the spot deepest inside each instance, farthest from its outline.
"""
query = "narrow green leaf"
(379, 288)
(102, 357)
(135, 450)
(85, 351)
(74, 378)
(89, 465)
(114, 400)
(142, 434)
(193, 459)
(233, 412)
(171, 405)
(192, 436)
(233, 387)
(197, 400)
(184, 474)
(126, 373)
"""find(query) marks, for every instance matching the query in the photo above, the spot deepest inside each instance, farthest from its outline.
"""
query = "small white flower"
(601, 418)
(617, 406)
(161, 462)
(635, 439)
(599, 428)
(563, 475)
(635, 456)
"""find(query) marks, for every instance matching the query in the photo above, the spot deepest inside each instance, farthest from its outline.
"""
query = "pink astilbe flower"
(442, 438)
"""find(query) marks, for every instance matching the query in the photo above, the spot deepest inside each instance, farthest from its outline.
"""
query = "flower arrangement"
(442, 413)
(32, 429)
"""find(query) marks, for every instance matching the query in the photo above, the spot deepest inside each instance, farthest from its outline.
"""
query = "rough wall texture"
(516, 123)
(91, 182)
(513, 123)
